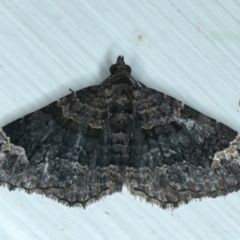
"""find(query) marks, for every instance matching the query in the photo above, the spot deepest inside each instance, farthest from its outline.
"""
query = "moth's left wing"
(61, 150)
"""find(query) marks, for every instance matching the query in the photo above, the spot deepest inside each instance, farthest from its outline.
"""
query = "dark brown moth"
(93, 141)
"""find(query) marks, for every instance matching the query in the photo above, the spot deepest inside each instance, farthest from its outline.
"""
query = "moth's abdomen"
(120, 119)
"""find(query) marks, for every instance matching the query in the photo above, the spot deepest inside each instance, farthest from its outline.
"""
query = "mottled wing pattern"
(88, 144)
(177, 152)
(61, 150)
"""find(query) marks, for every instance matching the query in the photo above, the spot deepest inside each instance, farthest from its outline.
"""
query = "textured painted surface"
(187, 50)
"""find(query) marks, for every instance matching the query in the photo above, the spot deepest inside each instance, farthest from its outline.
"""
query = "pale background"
(187, 49)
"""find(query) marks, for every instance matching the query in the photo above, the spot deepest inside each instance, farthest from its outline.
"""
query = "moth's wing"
(61, 150)
(178, 154)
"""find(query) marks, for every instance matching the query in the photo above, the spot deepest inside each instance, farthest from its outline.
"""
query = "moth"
(92, 142)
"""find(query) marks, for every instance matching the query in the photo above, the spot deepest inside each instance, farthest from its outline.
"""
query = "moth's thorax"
(118, 80)
(122, 70)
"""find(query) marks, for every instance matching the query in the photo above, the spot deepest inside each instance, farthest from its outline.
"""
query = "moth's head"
(120, 68)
